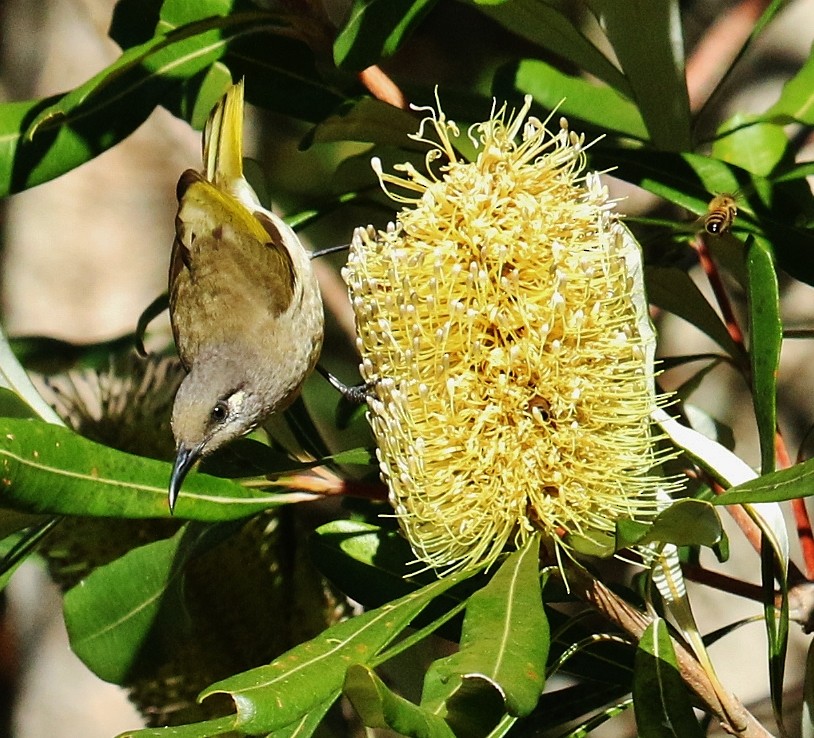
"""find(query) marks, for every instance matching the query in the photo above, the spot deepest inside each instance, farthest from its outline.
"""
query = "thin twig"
(731, 713)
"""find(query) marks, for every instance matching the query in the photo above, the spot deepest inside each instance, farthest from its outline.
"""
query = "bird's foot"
(357, 394)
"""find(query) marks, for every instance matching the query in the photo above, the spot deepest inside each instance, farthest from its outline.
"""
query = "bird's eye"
(219, 412)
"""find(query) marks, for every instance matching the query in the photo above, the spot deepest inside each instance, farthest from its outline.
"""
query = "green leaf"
(549, 25)
(649, 44)
(780, 486)
(773, 567)
(207, 729)
(686, 522)
(504, 641)
(368, 563)
(110, 614)
(376, 29)
(41, 139)
(575, 97)
(379, 707)
(15, 379)
(673, 289)
(689, 180)
(796, 102)
(306, 725)
(660, 699)
(766, 337)
(274, 696)
(50, 469)
(754, 146)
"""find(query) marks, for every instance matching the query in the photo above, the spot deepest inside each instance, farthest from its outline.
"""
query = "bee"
(721, 213)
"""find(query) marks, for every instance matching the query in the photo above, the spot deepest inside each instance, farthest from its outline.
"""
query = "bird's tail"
(223, 138)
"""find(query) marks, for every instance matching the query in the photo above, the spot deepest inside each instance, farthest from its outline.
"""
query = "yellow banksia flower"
(504, 334)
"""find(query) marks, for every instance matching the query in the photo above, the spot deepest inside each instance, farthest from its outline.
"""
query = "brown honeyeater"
(245, 306)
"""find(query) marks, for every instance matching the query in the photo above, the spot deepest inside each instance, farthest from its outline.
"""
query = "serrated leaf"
(548, 25)
(45, 468)
(672, 289)
(110, 614)
(376, 29)
(754, 146)
(660, 699)
(505, 637)
(379, 707)
(765, 339)
(574, 97)
(686, 522)
(653, 63)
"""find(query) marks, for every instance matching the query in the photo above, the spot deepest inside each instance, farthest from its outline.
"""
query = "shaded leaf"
(369, 120)
(575, 97)
(109, 615)
(686, 522)
(47, 468)
(660, 698)
(376, 29)
(548, 25)
(653, 63)
(766, 337)
(673, 289)
(504, 640)
(379, 707)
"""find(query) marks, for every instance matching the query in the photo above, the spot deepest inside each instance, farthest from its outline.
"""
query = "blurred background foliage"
(685, 101)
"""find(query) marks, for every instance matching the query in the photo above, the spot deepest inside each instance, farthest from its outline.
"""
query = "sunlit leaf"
(796, 102)
(504, 641)
(756, 147)
(49, 469)
(575, 97)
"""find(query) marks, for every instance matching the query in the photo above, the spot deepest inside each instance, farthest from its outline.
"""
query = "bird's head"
(213, 406)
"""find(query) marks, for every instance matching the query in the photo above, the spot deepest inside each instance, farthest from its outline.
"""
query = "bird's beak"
(184, 460)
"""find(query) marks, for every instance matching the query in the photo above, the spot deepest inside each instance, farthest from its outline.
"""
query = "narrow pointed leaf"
(660, 698)
(653, 62)
(379, 707)
(274, 696)
(766, 336)
(505, 637)
(672, 289)
(45, 468)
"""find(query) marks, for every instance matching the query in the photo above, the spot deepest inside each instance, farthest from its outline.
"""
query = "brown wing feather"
(230, 271)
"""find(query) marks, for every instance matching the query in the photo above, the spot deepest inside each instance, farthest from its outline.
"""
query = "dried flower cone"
(503, 328)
